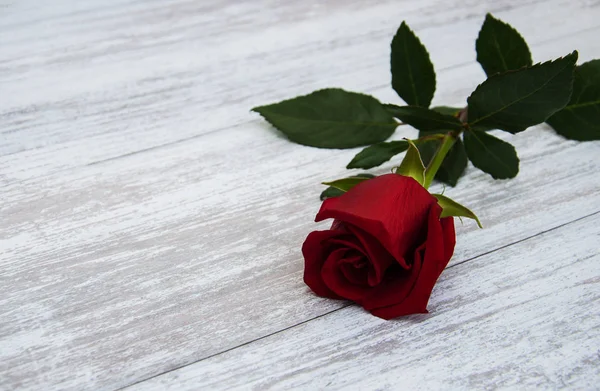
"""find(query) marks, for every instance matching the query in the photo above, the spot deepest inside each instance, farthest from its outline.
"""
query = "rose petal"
(348, 241)
(379, 258)
(435, 250)
(438, 251)
(391, 208)
(337, 282)
(315, 253)
(449, 237)
(354, 274)
(397, 285)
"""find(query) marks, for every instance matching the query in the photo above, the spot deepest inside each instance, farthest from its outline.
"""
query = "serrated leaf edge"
(496, 75)
(490, 16)
(411, 32)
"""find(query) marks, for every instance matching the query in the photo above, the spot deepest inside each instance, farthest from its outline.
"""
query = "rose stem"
(430, 137)
(438, 158)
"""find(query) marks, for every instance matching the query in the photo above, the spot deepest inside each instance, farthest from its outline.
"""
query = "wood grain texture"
(113, 78)
(126, 253)
(523, 317)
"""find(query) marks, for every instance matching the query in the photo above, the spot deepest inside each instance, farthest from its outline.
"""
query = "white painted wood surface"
(149, 222)
(503, 319)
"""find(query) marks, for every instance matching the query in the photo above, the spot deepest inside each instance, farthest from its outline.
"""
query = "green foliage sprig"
(516, 95)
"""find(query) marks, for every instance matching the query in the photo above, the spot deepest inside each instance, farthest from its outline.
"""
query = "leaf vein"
(519, 99)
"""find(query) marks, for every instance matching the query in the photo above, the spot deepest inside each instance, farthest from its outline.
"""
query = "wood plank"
(526, 317)
(118, 271)
(128, 96)
(453, 86)
(189, 261)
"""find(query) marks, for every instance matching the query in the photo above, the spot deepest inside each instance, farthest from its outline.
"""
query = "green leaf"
(516, 100)
(492, 155)
(453, 208)
(330, 192)
(427, 148)
(580, 119)
(412, 165)
(424, 119)
(454, 164)
(331, 118)
(447, 110)
(377, 154)
(413, 77)
(500, 47)
(343, 185)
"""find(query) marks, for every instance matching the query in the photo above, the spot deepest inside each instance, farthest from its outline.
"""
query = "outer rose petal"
(315, 255)
(391, 208)
(449, 237)
(395, 290)
(438, 251)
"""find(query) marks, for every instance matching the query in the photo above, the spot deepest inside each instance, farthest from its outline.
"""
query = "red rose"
(385, 250)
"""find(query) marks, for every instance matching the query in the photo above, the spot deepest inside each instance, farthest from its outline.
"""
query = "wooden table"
(150, 225)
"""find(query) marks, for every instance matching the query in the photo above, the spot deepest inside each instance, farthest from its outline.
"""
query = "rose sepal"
(348, 183)
(453, 208)
(412, 164)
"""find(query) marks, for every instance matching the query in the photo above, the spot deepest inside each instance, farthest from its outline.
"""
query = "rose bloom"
(385, 250)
